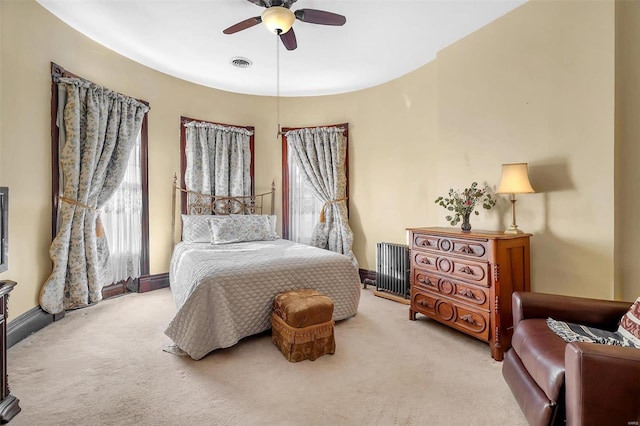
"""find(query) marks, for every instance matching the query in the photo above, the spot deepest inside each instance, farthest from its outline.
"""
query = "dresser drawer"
(471, 321)
(424, 260)
(476, 272)
(471, 249)
(464, 292)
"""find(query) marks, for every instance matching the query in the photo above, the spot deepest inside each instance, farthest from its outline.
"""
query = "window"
(304, 207)
(183, 154)
(300, 208)
(143, 235)
(122, 222)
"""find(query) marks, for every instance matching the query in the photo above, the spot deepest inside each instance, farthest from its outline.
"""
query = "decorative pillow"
(238, 228)
(271, 218)
(195, 228)
(581, 333)
(272, 222)
(629, 326)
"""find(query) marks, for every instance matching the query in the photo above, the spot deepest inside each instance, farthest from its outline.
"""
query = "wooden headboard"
(200, 204)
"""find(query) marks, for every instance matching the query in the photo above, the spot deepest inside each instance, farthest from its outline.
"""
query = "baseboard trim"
(369, 276)
(113, 290)
(153, 282)
(28, 323)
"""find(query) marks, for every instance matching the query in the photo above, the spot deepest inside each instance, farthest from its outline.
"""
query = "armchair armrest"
(602, 385)
(603, 314)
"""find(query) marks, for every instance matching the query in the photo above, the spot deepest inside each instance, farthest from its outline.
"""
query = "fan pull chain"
(278, 133)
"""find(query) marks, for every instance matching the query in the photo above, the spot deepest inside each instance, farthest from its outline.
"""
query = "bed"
(224, 290)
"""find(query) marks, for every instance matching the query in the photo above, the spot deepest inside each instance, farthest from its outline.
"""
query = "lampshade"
(515, 179)
(278, 19)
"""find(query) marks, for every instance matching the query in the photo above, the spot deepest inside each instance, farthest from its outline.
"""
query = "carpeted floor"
(105, 365)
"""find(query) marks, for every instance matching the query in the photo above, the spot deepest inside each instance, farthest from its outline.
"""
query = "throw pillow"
(629, 326)
(195, 228)
(241, 228)
(581, 333)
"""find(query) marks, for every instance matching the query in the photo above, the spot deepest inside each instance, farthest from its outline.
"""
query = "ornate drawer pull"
(468, 293)
(424, 303)
(424, 261)
(469, 318)
(467, 249)
(426, 282)
(466, 270)
(425, 243)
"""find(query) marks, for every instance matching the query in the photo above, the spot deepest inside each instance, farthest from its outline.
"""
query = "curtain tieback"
(76, 203)
(339, 200)
(99, 228)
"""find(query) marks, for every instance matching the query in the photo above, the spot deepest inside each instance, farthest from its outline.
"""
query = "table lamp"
(514, 180)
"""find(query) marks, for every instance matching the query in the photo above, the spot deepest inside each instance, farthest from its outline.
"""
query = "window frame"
(285, 172)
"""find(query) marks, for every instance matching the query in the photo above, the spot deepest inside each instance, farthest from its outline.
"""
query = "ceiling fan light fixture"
(278, 19)
(241, 62)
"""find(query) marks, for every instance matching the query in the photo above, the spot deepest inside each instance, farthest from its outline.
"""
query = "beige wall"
(627, 176)
(537, 85)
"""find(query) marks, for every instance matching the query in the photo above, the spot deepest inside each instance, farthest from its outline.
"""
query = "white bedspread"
(225, 292)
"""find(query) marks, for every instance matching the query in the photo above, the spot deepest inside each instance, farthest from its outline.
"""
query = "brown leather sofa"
(582, 383)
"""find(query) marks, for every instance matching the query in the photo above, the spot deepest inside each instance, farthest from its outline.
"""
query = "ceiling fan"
(279, 18)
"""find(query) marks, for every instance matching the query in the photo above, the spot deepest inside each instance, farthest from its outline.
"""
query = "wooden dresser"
(465, 280)
(8, 403)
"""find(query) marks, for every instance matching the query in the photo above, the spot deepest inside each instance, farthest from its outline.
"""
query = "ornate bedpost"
(273, 196)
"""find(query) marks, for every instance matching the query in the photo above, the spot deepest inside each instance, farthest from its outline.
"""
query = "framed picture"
(4, 228)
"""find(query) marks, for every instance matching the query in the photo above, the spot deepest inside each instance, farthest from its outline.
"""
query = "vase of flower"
(463, 203)
(466, 225)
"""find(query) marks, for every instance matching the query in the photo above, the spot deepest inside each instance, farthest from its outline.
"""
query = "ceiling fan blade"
(263, 3)
(322, 17)
(289, 39)
(247, 23)
(269, 3)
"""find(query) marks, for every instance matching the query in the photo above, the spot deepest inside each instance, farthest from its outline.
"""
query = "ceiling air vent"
(241, 62)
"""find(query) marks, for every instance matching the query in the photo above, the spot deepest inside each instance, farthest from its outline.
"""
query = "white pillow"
(271, 218)
(238, 228)
(195, 227)
(272, 222)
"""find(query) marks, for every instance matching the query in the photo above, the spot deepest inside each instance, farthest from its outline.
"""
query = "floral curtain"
(100, 128)
(321, 153)
(218, 159)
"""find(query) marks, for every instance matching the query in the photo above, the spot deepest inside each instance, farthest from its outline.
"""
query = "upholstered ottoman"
(302, 324)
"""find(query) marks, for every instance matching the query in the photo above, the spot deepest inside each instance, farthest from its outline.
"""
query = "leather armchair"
(582, 383)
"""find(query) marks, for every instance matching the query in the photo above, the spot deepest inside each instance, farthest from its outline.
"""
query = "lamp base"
(514, 230)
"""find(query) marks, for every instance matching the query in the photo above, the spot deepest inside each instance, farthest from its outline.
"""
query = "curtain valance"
(314, 131)
(104, 92)
(230, 129)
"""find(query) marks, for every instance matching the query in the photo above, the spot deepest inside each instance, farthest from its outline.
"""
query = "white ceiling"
(381, 40)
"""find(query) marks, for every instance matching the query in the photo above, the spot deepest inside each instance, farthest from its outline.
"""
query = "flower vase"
(466, 225)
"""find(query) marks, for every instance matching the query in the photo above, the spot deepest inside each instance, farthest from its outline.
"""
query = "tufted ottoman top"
(302, 308)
